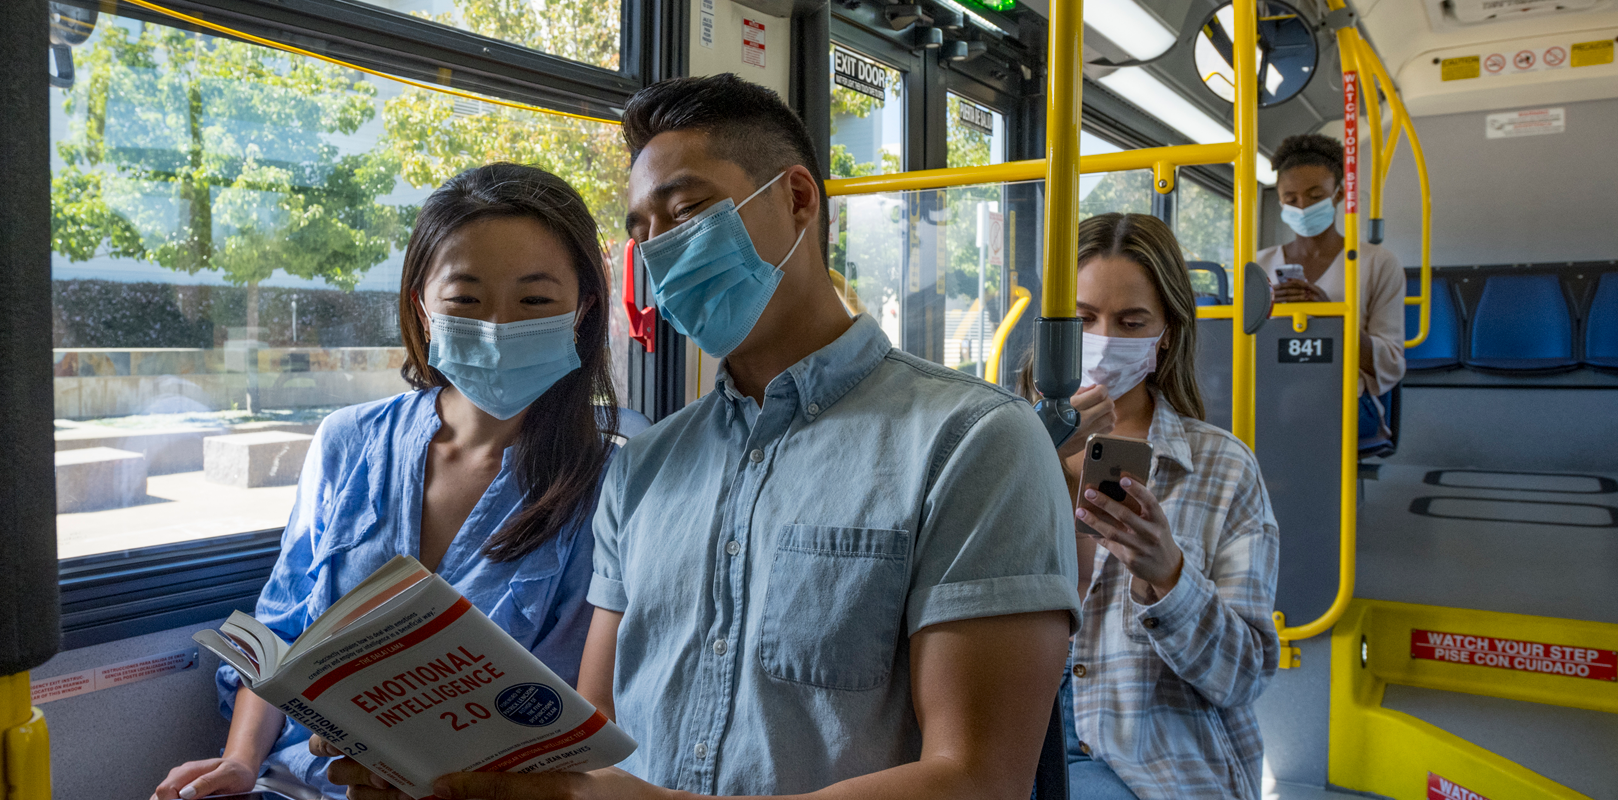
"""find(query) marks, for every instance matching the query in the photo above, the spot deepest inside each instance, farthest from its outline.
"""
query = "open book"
(408, 678)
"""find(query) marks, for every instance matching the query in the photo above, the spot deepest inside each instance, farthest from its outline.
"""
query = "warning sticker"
(1590, 54)
(753, 42)
(84, 681)
(1440, 788)
(1533, 122)
(1489, 651)
(1526, 59)
(1460, 69)
(1351, 142)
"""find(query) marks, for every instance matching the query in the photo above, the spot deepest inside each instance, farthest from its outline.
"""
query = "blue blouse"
(359, 504)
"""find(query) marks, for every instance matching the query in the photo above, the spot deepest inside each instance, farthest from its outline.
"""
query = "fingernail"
(1089, 494)
(1127, 482)
(188, 792)
(1081, 513)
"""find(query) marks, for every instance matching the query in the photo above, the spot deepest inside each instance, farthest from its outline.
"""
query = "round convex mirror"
(1286, 54)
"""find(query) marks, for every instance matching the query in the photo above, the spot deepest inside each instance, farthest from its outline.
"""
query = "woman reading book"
(486, 472)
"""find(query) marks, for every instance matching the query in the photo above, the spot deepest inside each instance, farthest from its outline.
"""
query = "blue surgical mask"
(709, 282)
(1312, 220)
(502, 367)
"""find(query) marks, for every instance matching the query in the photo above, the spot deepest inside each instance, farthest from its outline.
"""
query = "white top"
(1382, 302)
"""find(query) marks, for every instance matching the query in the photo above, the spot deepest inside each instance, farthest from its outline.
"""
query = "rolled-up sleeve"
(996, 535)
(607, 581)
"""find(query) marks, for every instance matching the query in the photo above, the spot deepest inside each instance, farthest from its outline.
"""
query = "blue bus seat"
(1601, 324)
(630, 422)
(1522, 324)
(1442, 347)
(1221, 296)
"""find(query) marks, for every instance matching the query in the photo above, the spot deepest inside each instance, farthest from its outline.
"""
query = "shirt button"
(733, 547)
(814, 408)
(719, 647)
(701, 750)
(1149, 622)
(756, 456)
(1079, 670)
(1084, 748)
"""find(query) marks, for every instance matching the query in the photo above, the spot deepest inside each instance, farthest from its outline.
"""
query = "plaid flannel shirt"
(1164, 693)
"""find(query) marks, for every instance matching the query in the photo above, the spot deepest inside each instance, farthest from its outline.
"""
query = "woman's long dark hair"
(563, 442)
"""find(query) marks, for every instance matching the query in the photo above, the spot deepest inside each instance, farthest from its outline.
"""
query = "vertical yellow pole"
(1348, 510)
(25, 761)
(1373, 113)
(1246, 211)
(1063, 110)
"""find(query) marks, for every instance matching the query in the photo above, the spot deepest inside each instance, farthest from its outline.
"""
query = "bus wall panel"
(1529, 429)
(1530, 199)
(120, 742)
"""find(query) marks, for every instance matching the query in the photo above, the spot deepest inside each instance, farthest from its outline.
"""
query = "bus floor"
(1491, 538)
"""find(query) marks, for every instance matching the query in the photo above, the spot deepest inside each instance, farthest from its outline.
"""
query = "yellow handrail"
(1064, 110)
(991, 373)
(1184, 155)
(1243, 378)
(1349, 51)
(25, 758)
(1402, 122)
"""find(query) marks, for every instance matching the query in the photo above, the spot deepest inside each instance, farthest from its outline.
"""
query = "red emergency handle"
(642, 321)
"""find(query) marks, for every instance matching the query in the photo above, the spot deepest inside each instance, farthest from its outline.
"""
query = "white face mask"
(1118, 363)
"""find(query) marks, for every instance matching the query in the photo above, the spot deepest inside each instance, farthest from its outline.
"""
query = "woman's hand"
(205, 777)
(1295, 290)
(1143, 542)
(1096, 415)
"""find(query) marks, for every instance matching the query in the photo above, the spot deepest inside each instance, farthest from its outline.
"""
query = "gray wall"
(1526, 200)
(119, 742)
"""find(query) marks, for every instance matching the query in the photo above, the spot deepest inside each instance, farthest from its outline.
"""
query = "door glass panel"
(579, 30)
(867, 116)
(1105, 192)
(228, 232)
(977, 133)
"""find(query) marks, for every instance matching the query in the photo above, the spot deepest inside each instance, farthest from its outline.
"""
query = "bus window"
(1106, 192)
(229, 225)
(586, 31)
(1204, 223)
(867, 116)
(977, 133)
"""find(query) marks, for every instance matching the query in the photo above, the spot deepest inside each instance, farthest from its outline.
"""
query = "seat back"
(1601, 324)
(1522, 324)
(1211, 283)
(1442, 347)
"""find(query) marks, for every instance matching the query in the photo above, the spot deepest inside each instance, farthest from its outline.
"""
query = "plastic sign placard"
(858, 74)
(1441, 788)
(752, 42)
(1312, 350)
(1351, 142)
(1515, 654)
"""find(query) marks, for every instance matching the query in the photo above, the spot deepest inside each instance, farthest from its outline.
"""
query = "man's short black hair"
(746, 124)
(1310, 150)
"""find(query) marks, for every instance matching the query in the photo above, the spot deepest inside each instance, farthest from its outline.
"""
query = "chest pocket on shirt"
(834, 606)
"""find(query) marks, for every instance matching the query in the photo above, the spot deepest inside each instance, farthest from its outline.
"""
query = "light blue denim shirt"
(770, 575)
(359, 504)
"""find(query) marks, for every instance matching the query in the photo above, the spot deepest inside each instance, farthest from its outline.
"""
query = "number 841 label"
(1316, 350)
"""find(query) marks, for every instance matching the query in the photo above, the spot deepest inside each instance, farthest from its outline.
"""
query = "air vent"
(1471, 12)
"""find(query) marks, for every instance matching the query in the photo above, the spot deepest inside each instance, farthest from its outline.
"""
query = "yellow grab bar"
(1402, 122)
(1183, 155)
(1245, 211)
(1064, 109)
(25, 758)
(991, 373)
(1353, 100)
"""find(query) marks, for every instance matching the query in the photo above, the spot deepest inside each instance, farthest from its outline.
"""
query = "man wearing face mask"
(845, 572)
(1310, 168)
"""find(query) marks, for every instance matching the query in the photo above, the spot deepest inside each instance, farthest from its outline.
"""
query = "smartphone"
(1289, 272)
(1106, 459)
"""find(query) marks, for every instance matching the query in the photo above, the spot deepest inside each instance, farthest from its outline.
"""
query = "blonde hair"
(1147, 241)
